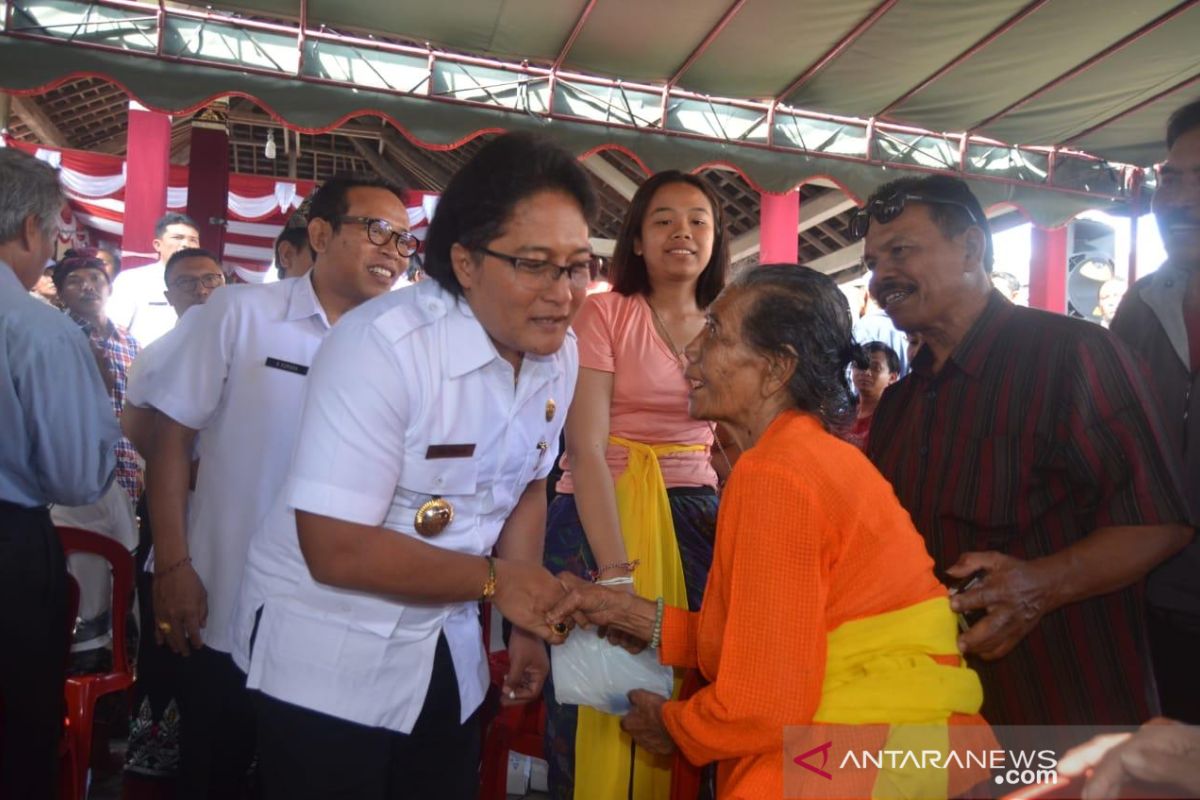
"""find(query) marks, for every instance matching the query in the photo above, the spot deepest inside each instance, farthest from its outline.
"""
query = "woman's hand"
(644, 723)
(524, 594)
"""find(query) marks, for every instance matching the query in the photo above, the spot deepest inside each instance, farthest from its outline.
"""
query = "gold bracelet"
(489, 586)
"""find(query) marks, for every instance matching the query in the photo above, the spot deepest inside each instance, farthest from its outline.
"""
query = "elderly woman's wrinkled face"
(727, 377)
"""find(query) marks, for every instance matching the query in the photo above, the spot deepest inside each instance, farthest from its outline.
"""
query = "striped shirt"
(1037, 431)
(120, 349)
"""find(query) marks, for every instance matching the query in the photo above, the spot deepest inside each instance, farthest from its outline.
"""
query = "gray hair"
(27, 186)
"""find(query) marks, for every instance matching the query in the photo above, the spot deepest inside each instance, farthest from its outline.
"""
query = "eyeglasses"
(540, 274)
(210, 280)
(884, 210)
(380, 232)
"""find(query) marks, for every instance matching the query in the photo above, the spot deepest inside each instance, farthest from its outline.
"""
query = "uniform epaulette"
(418, 310)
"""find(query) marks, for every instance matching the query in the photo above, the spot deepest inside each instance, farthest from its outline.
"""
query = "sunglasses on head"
(885, 209)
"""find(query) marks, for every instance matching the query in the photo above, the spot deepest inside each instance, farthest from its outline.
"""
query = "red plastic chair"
(82, 691)
(517, 729)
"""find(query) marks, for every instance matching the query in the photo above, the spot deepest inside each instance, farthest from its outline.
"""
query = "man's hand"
(525, 593)
(181, 602)
(644, 723)
(1016, 595)
(528, 665)
(1158, 761)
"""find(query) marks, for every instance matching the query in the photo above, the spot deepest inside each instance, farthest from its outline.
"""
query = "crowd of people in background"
(936, 505)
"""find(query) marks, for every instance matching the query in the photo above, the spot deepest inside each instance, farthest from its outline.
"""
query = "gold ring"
(561, 628)
(165, 627)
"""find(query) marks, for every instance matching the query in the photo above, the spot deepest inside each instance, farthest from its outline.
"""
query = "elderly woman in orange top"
(821, 604)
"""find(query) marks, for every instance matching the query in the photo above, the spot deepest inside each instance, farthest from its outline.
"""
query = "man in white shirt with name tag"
(232, 386)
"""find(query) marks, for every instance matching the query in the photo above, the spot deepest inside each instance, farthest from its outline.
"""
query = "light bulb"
(269, 150)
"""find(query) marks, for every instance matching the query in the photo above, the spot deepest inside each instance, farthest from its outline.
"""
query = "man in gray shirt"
(57, 447)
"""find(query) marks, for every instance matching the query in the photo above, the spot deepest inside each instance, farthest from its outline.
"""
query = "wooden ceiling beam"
(38, 122)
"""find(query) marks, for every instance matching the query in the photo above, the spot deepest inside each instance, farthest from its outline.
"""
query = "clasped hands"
(548, 607)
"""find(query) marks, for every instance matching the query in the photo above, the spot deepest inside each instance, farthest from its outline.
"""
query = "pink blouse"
(649, 401)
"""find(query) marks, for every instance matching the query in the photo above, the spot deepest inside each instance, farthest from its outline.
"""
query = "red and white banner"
(257, 209)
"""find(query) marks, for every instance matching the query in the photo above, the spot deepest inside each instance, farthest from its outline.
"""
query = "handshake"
(550, 607)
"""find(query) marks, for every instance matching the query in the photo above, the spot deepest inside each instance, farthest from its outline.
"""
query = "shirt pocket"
(453, 479)
(990, 494)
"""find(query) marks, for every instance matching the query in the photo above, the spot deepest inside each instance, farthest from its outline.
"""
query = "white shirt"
(138, 302)
(234, 369)
(404, 372)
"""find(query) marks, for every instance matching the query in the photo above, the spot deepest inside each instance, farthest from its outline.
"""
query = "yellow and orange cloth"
(602, 762)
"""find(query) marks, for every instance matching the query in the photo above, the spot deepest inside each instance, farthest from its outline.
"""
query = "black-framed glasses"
(189, 284)
(885, 209)
(380, 232)
(539, 274)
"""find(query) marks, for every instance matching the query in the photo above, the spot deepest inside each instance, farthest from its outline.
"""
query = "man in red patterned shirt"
(1026, 448)
(83, 285)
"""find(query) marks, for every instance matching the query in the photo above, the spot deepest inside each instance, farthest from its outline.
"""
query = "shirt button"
(931, 394)
(438, 480)
(924, 450)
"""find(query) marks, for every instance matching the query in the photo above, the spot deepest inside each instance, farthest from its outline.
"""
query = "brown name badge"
(449, 451)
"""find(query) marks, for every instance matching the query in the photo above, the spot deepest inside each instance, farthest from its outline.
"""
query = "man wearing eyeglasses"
(229, 387)
(191, 275)
(1025, 447)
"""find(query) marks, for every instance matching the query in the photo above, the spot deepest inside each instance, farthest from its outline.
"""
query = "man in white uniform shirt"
(426, 438)
(137, 303)
(230, 386)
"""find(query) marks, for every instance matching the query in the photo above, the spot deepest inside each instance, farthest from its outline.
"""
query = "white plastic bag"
(588, 671)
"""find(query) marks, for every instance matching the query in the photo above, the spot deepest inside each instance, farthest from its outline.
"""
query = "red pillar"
(779, 223)
(208, 178)
(1048, 269)
(147, 166)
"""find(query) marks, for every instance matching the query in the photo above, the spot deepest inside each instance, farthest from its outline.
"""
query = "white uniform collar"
(303, 302)
(473, 348)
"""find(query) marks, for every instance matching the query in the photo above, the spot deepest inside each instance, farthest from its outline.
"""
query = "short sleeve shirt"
(650, 395)
(408, 400)
(235, 369)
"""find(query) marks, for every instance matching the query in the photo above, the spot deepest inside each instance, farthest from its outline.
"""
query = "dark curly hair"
(797, 312)
(481, 196)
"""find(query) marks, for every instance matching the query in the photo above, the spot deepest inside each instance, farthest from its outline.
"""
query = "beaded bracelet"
(164, 573)
(656, 637)
(628, 566)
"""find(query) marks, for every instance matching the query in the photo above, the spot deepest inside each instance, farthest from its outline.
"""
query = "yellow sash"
(601, 747)
(879, 670)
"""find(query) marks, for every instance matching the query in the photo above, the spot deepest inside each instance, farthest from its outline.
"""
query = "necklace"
(675, 351)
(666, 334)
